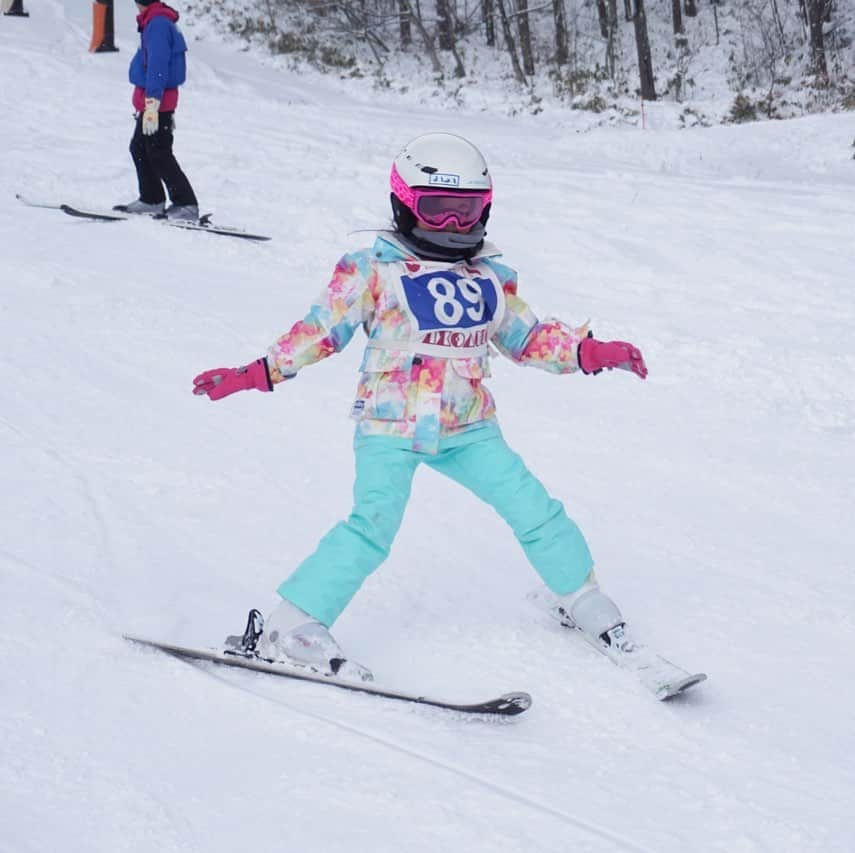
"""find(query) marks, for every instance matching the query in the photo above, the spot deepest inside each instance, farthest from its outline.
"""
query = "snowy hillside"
(733, 61)
(716, 496)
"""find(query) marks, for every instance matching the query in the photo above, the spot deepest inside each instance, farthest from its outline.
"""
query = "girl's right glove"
(222, 381)
(150, 117)
(595, 355)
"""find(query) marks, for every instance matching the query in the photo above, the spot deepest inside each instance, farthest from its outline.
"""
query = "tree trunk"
(405, 27)
(489, 22)
(416, 18)
(444, 27)
(510, 43)
(559, 15)
(779, 24)
(611, 52)
(603, 17)
(645, 63)
(691, 9)
(677, 17)
(816, 14)
(525, 37)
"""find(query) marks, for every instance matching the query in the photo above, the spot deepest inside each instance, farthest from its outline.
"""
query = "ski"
(203, 224)
(99, 217)
(30, 203)
(662, 678)
(506, 705)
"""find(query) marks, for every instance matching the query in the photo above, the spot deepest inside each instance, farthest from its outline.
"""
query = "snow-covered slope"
(734, 62)
(716, 496)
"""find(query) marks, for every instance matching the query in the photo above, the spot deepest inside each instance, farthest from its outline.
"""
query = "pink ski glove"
(222, 381)
(594, 355)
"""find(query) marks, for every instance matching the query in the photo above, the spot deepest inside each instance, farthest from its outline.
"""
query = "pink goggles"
(439, 207)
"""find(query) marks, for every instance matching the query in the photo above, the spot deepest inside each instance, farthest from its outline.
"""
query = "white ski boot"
(596, 616)
(184, 212)
(140, 206)
(292, 636)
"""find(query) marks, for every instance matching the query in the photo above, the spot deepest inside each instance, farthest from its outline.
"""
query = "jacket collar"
(156, 10)
(388, 247)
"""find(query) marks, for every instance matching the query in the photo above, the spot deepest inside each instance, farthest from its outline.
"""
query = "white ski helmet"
(441, 195)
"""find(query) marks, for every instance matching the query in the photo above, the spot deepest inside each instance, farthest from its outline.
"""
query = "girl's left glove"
(595, 355)
(222, 381)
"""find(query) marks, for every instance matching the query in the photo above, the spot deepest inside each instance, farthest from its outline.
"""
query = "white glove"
(150, 116)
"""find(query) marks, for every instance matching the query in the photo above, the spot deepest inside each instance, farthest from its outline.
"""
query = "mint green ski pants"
(324, 583)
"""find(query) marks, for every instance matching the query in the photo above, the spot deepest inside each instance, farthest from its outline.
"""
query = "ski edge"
(506, 705)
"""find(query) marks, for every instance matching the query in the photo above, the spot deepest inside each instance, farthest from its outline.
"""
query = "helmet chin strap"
(445, 245)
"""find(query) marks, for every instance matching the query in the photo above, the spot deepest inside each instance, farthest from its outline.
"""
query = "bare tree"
(416, 18)
(612, 43)
(510, 44)
(444, 25)
(603, 17)
(692, 8)
(404, 24)
(776, 16)
(635, 13)
(677, 17)
(445, 29)
(525, 37)
(765, 51)
(818, 10)
(489, 22)
(559, 16)
(360, 23)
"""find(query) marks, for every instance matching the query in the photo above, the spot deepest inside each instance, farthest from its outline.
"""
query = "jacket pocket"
(384, 385)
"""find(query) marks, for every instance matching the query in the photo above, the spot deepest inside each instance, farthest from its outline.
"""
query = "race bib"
(447, 300)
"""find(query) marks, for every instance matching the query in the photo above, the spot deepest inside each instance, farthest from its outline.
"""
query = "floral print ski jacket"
(430, 325)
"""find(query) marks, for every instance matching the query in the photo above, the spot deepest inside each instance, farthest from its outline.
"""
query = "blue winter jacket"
(159, 63)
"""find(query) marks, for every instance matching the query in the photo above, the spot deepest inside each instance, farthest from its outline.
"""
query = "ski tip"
(143, 641)
(681, 686)
(511, 704)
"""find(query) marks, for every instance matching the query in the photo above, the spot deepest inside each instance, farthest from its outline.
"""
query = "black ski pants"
(156, 165)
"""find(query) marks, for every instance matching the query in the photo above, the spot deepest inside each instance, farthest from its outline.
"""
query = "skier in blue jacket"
(157, 70)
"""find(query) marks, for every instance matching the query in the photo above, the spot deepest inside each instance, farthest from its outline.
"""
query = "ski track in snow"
(468, 775)
(716, 496)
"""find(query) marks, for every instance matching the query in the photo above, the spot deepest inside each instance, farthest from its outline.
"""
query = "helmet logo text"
(443, 179)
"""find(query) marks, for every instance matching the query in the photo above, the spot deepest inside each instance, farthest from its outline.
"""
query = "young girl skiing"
(157, 69)
(432, 296)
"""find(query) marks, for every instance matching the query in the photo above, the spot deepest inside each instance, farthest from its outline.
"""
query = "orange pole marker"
(102, 27)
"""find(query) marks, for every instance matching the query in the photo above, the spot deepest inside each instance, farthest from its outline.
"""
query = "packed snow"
(716, 495)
